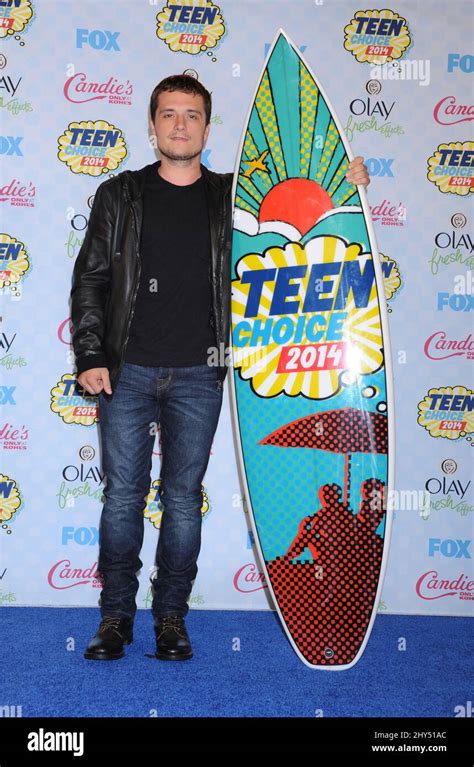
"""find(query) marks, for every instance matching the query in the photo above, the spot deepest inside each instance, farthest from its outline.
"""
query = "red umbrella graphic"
(345, 431)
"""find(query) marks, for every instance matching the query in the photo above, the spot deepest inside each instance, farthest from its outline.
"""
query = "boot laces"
(174, 622)
(110, 622)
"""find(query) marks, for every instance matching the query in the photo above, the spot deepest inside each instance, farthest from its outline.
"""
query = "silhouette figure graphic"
(337, 588)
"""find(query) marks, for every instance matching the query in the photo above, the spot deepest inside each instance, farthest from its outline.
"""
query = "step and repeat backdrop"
(75, 81)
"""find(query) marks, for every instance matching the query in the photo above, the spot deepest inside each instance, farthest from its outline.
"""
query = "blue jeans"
(186, 402)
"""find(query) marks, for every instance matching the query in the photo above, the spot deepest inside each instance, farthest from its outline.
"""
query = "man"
(150, 295)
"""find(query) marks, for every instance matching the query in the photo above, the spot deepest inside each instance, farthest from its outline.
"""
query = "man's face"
(180, 125)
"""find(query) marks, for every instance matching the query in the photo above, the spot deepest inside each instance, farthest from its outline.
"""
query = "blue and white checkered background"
(49, 546)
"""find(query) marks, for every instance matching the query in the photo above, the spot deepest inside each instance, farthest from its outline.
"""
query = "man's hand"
(357, 173)
(94, 380)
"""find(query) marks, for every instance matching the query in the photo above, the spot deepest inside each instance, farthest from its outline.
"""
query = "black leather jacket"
(107, 269)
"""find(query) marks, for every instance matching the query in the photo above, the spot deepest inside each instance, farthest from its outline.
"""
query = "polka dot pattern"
(327, 603)
(340, 431)
(332, 139)
(266, 111)
(308, 106)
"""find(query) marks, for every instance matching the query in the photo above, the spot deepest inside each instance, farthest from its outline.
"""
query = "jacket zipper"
(220, 265)
(132, 312)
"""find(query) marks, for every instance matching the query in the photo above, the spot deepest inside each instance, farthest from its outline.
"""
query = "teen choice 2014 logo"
(10, 498)
(92, 147)
(377, 36)
(14, 17)
(154, 506)
(392, 279)
(302, 314)
(448, 412)
(451, 167)
(72, 403)
(14, 261)
(191, 26)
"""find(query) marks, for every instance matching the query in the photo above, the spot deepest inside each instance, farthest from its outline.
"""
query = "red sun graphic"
(296, 201)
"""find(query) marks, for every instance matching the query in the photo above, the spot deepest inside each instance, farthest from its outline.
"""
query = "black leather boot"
(172, 640)
(108, 643)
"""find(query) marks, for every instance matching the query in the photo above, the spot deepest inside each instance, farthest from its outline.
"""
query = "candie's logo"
(15, 15)
(191, 26)
(377, 36)
(65, 332)
(92, 148)
(63, 576)
(14, 261)
(154, 507)
(388, 214)
(439, 346)
(449, 112)
(79, 88)
(13, 437)
(451, 167)
(10, 499)
(248, 578)
(18, 192)
(447, 412)
(71, 402)
(431, 586)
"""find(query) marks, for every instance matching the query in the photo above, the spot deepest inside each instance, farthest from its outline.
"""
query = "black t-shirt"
(171, 322)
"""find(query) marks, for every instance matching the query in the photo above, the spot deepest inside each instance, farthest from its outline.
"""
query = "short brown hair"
(185, 84)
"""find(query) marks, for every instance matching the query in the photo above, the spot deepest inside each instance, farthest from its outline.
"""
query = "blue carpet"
(44, 671)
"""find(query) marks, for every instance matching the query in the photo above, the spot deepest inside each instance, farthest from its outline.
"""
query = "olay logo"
(430, 586)
(248, 578)
(447, 112)
(63, 576)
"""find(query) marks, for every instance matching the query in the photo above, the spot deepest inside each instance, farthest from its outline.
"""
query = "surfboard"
(311, 386)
